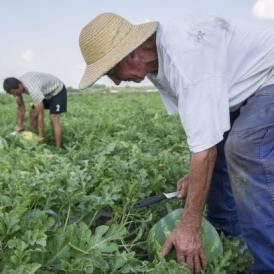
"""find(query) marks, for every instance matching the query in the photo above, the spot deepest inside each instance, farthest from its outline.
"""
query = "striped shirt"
(40, 86)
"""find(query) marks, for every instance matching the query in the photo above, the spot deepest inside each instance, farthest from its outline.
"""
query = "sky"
(43, 35)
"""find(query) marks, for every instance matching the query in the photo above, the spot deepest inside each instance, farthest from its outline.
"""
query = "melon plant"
(3, 143)
(210, 239)
(118, 148)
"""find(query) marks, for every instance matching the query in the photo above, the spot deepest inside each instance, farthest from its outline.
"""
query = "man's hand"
(182, 186)
(188, 246)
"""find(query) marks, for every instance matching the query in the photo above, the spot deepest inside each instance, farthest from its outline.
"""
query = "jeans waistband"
(266, 88)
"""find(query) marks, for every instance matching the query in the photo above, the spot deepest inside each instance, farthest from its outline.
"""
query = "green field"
(118, 147)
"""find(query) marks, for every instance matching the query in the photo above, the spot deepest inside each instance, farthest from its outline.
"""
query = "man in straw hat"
(46, 91)
(218, 75)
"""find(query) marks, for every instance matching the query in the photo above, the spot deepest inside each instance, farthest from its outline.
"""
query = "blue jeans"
(248, 208)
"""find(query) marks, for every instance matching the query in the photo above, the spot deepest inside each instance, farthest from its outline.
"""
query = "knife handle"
(149, 201)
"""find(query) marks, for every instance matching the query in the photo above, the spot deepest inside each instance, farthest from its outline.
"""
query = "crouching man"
(47, 92)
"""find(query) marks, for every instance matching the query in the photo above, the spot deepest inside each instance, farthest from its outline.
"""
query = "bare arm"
(186, 237)
(20, 112)
(40, 120)
(200, 173)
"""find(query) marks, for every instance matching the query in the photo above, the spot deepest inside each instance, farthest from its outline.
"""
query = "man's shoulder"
(33, 73)
(29, 75)
(191, 23)
(38, 77)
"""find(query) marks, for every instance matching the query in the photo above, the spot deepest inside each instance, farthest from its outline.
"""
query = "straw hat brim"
(137, 35)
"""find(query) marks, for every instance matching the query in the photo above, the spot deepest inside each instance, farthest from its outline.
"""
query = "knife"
(154, 199)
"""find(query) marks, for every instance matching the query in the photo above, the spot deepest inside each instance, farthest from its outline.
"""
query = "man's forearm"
(201, 168)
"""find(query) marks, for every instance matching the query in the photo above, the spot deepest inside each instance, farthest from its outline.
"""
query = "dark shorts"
(58, 103)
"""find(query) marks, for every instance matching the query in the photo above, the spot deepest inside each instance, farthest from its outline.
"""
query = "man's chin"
(138, 80)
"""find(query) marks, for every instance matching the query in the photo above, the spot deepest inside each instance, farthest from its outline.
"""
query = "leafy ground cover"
(71, 210)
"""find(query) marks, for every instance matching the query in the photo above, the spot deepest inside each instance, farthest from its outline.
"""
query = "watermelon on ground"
(26, 138)
(25, 135)
(211, 241)
(29, 136)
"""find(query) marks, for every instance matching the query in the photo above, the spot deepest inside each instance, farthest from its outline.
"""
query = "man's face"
(17, 91)
(131, 68)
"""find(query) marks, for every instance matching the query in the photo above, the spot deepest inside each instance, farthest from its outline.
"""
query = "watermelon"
(25, 135)
(212, 244)
(26, 138)
(29, 136)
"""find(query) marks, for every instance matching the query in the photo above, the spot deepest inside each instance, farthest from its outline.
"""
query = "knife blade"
(154, 199)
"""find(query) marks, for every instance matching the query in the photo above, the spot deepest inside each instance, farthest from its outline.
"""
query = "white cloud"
(28, 55)
(264, 9)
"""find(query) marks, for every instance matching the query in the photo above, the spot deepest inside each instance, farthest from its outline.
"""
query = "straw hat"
(106, 40)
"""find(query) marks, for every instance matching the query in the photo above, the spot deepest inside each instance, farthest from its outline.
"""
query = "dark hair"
(10, 83)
